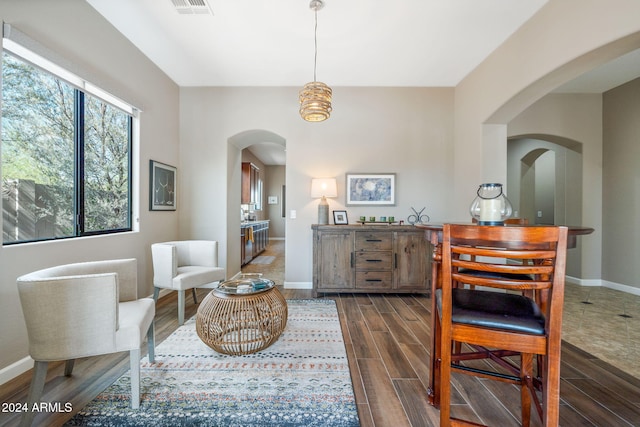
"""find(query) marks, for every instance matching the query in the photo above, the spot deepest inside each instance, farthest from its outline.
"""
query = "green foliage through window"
(66, 158)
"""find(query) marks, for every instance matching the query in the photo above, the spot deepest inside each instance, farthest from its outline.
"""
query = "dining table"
(433, 234)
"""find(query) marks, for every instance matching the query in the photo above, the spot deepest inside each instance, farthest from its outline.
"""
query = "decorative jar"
(491, 206)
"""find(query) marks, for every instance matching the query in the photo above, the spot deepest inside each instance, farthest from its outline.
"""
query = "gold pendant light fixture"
(315, 97)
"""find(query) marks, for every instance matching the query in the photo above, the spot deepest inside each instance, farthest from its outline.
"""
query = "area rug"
(263, 259)
(301, 380)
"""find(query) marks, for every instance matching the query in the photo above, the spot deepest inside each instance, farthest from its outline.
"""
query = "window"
(66, 158)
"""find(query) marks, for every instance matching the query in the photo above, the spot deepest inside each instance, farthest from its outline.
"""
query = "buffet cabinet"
(371, 259)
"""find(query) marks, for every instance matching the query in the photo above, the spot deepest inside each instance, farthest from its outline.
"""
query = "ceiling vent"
(192, 7)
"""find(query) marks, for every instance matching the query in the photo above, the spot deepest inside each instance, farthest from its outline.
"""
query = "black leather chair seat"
(497, 310)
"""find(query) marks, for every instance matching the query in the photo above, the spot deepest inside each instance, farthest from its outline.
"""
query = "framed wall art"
(371, 189)
(340, 218)
(162, 187)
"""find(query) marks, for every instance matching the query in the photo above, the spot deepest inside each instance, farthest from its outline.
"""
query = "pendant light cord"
(315, 42)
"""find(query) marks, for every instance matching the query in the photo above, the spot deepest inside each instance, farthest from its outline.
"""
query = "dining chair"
(494, 319)
(185, 264)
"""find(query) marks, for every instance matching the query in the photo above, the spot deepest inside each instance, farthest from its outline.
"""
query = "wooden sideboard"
(370, 258)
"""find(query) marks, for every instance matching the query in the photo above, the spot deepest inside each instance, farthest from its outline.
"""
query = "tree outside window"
(66, 158)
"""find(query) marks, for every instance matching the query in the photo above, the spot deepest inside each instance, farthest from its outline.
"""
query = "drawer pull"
(374, 260)
(374, 240)
(373, 280)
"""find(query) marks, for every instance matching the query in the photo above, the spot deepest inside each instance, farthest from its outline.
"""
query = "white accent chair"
(85, 309)
(186, 264)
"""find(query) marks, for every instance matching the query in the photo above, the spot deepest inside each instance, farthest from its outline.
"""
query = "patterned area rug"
(301, 380)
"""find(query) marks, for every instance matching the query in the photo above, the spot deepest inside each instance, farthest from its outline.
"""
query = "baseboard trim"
(583, 282)
(605, 284)
(620, 287)
(298, 285)
(17, 368)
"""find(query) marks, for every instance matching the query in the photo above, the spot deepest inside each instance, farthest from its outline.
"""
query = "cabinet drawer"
(374, 279)
(373, 241)
(368, 261)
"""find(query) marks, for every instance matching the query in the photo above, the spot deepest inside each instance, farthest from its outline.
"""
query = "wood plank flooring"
(387, 340)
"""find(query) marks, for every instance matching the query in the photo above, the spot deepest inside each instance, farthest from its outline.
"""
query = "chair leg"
(181, 302)
(35, 391)
(551, 388)
(156, 293)
(526, 387)
(68, 367)
(151, 343)
(433, 391)
(134, 361)
(445, 376)
(195, 295)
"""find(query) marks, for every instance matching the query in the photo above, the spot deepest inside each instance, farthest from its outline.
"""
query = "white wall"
(577, 119)
(621, 196)
(72, 29)
(403, 130)
(275, 179)
(556, 45)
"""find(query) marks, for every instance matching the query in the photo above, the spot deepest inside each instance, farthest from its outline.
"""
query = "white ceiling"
(360, 42)
(400, 43)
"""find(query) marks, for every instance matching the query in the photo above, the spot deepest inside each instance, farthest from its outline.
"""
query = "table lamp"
(323, 188)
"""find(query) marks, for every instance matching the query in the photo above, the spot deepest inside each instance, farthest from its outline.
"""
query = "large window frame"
(84, 93)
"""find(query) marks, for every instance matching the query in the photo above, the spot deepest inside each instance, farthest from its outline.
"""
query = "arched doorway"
(544, 177)
(545, 182)
(268, 149)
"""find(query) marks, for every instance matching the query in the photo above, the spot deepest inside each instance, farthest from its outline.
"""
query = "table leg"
(434, 366)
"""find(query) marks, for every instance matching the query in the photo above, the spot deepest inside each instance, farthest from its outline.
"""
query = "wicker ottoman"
(242, 316)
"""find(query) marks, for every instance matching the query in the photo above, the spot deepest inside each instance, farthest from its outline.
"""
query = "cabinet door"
(411, 261)
(334, 260)
(246, 184)
(251, 185)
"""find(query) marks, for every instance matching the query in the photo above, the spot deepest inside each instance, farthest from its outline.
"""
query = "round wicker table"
(242, 316)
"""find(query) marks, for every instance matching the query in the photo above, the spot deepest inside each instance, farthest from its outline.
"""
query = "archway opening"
(267, 150)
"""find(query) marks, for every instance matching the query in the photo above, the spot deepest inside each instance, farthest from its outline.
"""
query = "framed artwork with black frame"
(340, 218)
(162, 186)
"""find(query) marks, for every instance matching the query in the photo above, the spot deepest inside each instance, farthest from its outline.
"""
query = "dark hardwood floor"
(387, 340)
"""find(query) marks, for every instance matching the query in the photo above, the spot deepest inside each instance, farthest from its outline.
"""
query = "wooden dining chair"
(501, 324)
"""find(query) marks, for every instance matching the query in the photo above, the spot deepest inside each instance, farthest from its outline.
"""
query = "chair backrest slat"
(510, 257)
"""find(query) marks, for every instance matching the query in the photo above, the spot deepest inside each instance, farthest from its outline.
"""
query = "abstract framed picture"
(371, 189)
(162, 186)
(340, 218)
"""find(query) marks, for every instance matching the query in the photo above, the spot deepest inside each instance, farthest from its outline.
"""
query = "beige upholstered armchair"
(183, 265)
(85, 309)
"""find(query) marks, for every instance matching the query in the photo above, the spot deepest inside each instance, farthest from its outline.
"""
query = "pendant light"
(315, 96)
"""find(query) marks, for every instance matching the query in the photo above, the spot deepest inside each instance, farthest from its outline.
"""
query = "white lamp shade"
(324, 187)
